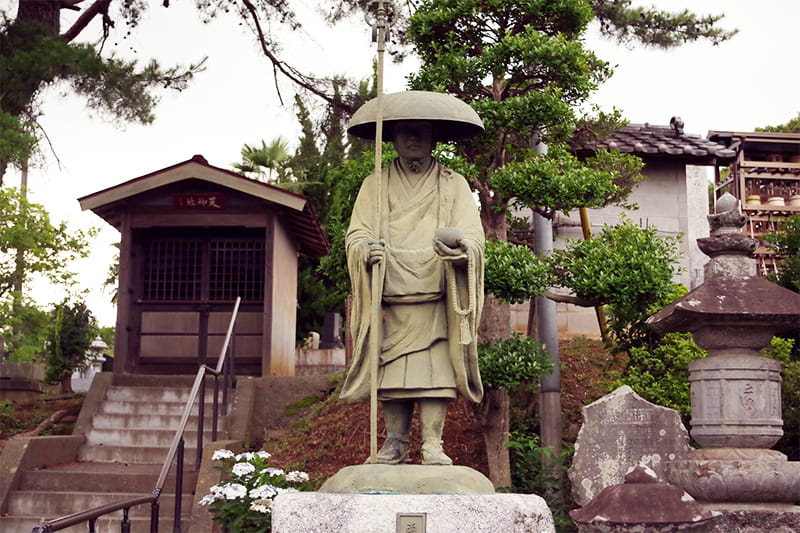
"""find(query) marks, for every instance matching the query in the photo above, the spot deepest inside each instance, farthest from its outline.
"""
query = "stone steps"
(107, 420)
(121, 458)
(58, 503)
(139, 478)
(131, 454)
(140, 437)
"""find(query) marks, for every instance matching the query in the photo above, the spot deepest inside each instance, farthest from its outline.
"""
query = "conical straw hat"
(453, 119)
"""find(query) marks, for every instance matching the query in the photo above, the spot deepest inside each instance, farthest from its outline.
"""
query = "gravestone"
(332, 331)
(619, 431)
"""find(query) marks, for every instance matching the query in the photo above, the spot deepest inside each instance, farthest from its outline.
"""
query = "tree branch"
(285, 69)
(570, 299)
(99, 7)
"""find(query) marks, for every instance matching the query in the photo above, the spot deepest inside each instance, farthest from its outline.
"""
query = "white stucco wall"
(284, 304)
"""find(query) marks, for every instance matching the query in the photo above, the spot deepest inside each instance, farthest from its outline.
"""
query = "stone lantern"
(735, 392)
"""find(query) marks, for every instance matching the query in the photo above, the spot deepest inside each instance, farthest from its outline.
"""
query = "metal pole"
(201, 418)
(376, 289)
(125, 527)
(176, 523)
(548, 335)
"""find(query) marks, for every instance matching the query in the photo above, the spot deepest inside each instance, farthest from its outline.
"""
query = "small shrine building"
(193, 237)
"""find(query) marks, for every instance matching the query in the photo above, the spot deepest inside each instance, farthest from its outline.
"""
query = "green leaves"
(72, 329)
(786, 244)
(514, 274)
(506, 363)
(558, 181)
(16, 142)
(628, 268)
(46, 249)
(622, 265)
(520, 64)
(653, 27)
(660, 373)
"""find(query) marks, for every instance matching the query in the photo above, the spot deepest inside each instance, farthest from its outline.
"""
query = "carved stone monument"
(620, 431)
(736, 414)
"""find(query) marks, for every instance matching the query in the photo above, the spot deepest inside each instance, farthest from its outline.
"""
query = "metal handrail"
(175, 449)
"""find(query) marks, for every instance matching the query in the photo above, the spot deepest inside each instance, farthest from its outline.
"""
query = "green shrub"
(10, 424)
(660, 373)
(786, 244)
(781, 350)
(627, 268)
(513, 273)
(529, 476)
(506, 363)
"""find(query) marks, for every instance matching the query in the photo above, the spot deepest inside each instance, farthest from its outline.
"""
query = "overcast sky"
(749, 81)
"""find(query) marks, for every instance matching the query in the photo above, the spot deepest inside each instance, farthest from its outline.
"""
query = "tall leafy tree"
(318, 170)
(23, 327)
(31, 246)
(46, 248)
(72, 329)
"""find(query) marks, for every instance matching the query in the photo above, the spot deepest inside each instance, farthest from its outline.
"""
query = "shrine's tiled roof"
(670, 141)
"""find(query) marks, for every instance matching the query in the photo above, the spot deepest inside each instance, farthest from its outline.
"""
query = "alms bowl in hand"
(451, 237)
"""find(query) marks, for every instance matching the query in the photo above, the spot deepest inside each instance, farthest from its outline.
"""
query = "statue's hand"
(376, 251)
(457, 256)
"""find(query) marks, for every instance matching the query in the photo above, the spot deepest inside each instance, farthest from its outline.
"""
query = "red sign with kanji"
(210, 201)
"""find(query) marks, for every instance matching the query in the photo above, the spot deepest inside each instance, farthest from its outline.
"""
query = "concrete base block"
(316, 512)
(408, 479)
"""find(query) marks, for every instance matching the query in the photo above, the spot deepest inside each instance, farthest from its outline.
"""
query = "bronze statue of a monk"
(428, 245)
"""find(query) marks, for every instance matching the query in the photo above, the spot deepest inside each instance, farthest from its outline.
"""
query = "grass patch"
(299, 405)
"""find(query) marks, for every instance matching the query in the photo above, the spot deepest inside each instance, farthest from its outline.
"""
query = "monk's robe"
(430, 308)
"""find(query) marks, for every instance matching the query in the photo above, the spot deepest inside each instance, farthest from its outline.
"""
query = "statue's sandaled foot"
(394, 451)
(433, 454)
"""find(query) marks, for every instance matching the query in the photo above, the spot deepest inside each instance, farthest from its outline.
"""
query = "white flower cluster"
(219, 455)
(249, 470)
(264, 491)
(296, 477)
(224, 491)
(243, 469)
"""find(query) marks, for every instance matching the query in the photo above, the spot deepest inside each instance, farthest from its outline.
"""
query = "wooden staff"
(375, 330)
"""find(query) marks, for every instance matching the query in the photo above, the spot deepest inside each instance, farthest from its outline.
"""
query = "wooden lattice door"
(187, 287)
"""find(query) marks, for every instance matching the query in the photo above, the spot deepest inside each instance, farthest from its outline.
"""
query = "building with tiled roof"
(673, 197)
(671, 142)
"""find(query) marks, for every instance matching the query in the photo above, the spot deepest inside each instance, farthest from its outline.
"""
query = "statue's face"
(413, 139)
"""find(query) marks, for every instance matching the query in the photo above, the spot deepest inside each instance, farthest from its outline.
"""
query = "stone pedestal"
(316, 512)
(408, 479)
(737, 475)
